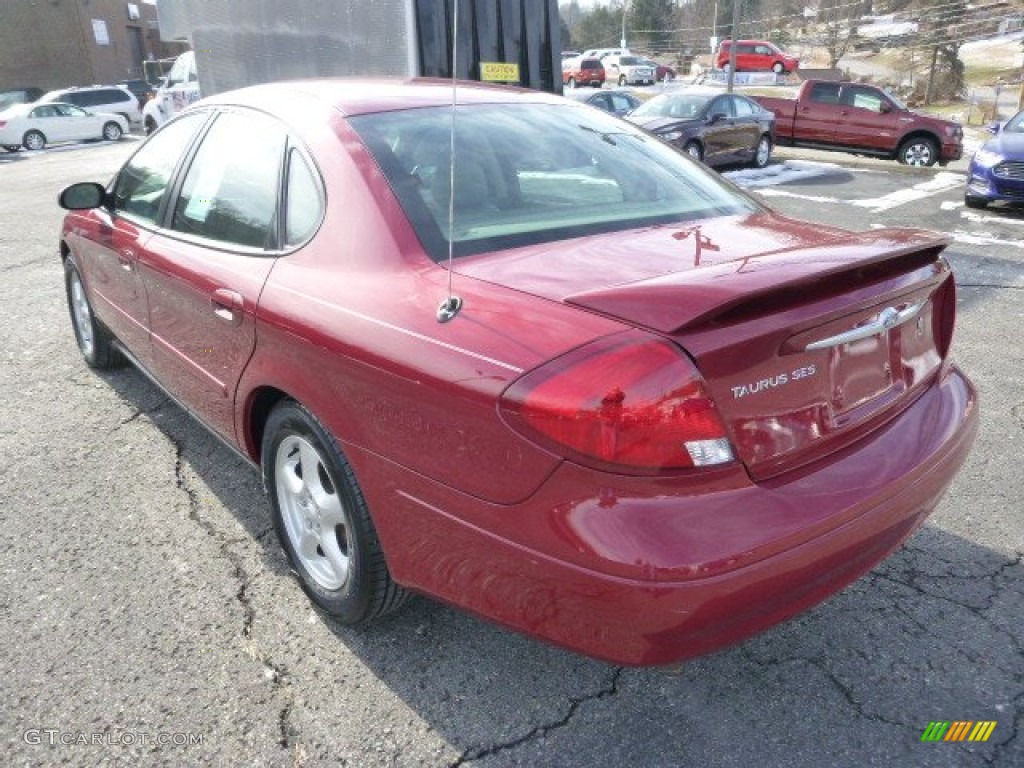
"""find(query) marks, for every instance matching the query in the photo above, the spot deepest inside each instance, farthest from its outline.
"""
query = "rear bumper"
(652, 572)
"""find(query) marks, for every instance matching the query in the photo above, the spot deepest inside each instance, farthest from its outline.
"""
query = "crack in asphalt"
(139, 412)
(275, 672)
(909, 582)
(477, 753)
(1017, 724)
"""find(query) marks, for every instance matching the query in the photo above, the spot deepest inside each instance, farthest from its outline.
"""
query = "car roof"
(356, 96)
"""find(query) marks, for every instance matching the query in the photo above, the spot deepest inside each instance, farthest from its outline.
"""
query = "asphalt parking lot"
(149, 617)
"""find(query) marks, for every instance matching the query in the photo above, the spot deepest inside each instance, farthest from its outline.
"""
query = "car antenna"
(452, 304)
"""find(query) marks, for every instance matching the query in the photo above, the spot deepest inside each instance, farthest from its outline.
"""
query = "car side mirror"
(82, 196)
(717, 117)
(885, 107)
(994, 128)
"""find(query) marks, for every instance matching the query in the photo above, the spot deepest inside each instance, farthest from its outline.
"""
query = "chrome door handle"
(888, 318)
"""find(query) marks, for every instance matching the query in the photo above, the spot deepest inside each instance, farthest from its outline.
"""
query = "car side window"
(304, 200)
(142, 183)
(230, 190)
(67, 110)
(863, 98)
(826, 93)
(47, 110)
(742, 107)
(722, 105)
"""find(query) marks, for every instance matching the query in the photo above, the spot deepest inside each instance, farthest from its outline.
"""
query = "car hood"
(641, 275)
(658, 124)
(1009, 145)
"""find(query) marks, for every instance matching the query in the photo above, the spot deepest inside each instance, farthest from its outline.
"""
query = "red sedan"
(597, 394)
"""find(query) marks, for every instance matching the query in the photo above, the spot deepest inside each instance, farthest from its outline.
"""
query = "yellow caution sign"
(499, 72)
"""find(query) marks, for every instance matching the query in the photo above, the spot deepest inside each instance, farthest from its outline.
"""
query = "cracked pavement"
(144, 591)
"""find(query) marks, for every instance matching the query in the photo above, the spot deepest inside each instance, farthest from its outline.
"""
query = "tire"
(762, 152)
(918, 151)
(322, 519)
(112, 131)
(694, 150)
(572, 82)
(622, 80)
(777, 68)
(975, 202)
(95, 342)
(33, 140)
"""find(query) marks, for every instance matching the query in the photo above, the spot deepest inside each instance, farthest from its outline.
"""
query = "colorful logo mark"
(958, 730)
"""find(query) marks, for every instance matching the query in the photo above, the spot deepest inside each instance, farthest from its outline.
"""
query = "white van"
(180, 88)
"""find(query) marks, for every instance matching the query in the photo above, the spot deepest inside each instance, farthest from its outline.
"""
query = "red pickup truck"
(863, 119)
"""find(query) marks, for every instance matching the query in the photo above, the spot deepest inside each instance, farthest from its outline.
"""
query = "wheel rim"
(111, 132)
(83, 316)
(918, 154)
(34, 141)
(693, 151)
(313, 515)
(764, 149)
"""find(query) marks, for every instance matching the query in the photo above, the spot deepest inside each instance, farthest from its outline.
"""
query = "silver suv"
(112, 99)
(627, 70)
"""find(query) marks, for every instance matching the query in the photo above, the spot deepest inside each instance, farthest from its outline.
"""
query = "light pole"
(622, 40)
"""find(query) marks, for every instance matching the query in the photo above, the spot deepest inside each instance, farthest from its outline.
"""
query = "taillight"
(3, 123)
(629, 401)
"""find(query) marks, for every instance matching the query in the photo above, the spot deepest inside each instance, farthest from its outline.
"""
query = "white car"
(116, 99)
(33, 126)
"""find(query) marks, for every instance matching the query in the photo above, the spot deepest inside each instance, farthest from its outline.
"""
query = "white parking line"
(939, 183)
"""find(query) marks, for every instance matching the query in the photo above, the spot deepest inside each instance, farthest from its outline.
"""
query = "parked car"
(863, 119)
(33, 126)
(756, 56)
(718, 128)
(616, 102)
(101, 99)
(598, 394)
(627, 70)
(582, 72)
(662, 72)
(11, 96)
(997, 169)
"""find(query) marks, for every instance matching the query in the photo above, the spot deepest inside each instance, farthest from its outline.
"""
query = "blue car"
(997, 169)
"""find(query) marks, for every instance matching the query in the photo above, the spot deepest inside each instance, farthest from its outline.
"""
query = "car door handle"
(227, 305)
(126, 259)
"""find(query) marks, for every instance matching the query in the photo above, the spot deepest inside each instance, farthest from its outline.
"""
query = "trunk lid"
(807, 340)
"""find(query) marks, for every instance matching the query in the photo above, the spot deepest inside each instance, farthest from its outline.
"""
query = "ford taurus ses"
(563, 377)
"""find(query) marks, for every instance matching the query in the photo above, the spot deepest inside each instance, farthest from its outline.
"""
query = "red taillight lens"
(626, 400)
(3, 123)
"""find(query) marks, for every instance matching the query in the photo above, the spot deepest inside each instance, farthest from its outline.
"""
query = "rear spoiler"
(727, 290)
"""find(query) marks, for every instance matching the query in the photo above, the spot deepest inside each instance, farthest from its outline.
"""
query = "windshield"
(1015, 124)
(684, 106)
(628, 61)
(536, 173)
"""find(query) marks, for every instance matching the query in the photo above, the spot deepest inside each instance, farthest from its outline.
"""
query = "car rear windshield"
(591, 64)
(535, 173)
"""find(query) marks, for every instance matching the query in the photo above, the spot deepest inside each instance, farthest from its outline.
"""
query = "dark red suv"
(582, 72)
